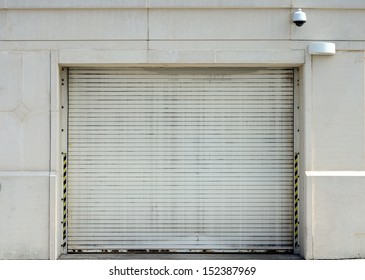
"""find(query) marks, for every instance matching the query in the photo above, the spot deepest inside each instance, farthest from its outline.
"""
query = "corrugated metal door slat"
(180, 159)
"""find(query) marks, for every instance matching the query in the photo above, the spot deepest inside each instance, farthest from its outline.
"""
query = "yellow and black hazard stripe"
(296, 200)
(64, 197)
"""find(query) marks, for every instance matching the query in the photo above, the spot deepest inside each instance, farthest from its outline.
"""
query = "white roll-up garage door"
(180, 159)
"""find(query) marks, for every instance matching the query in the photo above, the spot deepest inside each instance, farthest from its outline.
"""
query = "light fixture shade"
(322, 48)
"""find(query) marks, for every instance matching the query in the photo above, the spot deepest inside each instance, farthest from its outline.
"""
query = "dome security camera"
(299, 17)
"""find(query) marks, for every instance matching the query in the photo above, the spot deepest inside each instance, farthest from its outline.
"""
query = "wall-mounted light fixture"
(322, 48)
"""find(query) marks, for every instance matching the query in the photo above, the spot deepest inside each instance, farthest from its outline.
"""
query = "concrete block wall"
(339, 148)
(39, 37)
(24, 154)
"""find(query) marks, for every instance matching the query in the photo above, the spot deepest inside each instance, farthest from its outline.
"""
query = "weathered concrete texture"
(188, 57)
(24, 218)
(10, 136)
(179, 23)
(10, 88)
(207, 24)
(338, 112)
(24, 110)
(74, 25)
(92, 4)
(339, 228)
(328, 24)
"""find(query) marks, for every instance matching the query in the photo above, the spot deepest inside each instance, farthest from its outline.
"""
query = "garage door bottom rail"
(182, 256)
